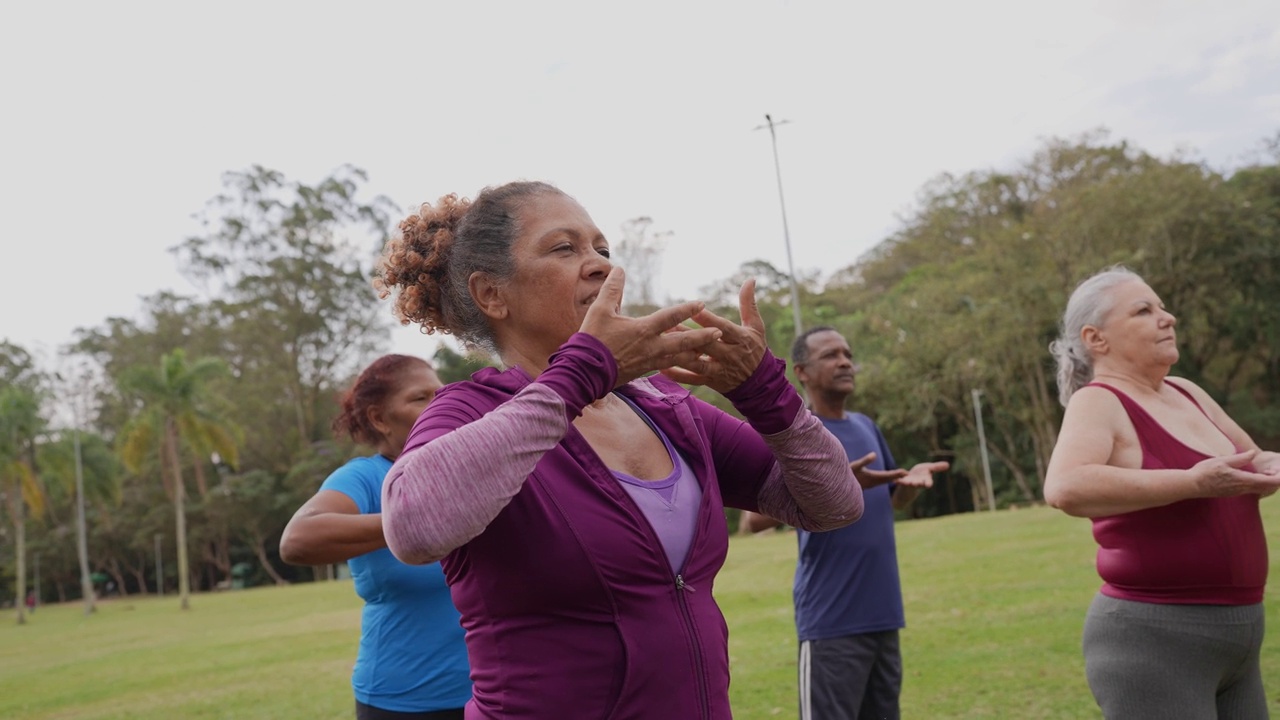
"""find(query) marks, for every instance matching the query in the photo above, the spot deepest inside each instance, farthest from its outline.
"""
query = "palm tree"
(20, 422)
(174, 408)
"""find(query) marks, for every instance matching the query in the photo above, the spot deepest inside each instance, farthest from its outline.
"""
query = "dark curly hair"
(374, 385)
(428, 263)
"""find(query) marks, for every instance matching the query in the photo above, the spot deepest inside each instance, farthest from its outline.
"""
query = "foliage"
(174, 414)
(291, 295)
(20, 482)
(968, 294)
(452, 366)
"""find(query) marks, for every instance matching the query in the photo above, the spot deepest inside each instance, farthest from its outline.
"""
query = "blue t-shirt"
(847, 579)
(412, 657)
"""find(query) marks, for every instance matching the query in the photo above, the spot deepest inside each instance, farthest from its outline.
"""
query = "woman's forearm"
(330, 537)
(811, 485)
(1101, 490)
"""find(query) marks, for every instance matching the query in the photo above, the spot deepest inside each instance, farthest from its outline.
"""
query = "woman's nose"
(596, 264)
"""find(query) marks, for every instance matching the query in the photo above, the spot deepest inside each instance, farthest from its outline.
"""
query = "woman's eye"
(604, 252)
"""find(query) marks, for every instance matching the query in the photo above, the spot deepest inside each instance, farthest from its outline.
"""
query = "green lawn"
(994, 606)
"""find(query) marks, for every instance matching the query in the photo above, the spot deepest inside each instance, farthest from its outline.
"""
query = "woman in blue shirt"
(412, 664)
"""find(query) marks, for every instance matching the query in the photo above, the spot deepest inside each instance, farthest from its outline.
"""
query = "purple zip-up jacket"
(569, 603)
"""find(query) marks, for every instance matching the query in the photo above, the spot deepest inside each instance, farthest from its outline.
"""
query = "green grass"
(995, 605)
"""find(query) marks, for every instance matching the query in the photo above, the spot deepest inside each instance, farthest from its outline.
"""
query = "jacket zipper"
(682, 588)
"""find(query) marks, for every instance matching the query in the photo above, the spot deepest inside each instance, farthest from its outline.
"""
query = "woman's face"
(1137, 330)
(561, 260)
(415, 389)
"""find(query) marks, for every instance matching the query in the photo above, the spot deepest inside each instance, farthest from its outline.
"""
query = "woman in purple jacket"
(575, 501)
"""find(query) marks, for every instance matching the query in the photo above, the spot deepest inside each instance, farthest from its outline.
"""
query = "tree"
(20, 423)
(451, 366)
(174, 408)
(968, 293)
(79, 468)
(639, 252)
(288, 268)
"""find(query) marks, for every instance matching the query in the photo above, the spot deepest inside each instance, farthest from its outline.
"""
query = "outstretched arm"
(919, 477)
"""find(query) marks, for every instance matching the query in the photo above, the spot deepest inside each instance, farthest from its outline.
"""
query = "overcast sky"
(120, 118)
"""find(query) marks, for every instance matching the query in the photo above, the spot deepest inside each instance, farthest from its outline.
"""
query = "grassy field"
(995, 605)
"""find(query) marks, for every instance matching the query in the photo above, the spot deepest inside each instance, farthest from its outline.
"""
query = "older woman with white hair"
(1172, 486)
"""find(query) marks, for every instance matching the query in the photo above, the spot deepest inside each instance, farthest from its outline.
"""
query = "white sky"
(119, 118)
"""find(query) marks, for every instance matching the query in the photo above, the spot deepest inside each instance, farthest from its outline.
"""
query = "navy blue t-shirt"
(847, 579)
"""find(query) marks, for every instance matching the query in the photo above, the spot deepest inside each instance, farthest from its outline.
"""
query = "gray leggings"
(1147, 660)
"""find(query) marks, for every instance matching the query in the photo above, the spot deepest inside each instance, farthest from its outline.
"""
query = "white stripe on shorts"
(806, 711)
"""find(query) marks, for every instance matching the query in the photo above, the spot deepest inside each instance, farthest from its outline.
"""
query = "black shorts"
(856, 677)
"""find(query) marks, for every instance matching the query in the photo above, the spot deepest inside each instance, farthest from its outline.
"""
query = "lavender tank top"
(670, 504)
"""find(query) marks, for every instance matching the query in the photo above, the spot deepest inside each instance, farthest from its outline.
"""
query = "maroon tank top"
(1204, 551)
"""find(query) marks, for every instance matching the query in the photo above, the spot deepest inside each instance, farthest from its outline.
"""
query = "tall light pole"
(786, 234)
(982, 445)
(159, 567)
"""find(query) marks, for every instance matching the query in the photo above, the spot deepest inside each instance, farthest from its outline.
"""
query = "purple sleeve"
(460, 468)
(799, 474)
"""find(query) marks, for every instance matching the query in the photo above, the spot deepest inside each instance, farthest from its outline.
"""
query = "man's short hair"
(800, 348)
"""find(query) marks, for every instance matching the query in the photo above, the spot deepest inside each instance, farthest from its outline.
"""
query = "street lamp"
(786, 234)
(159, 567)
(976, 394)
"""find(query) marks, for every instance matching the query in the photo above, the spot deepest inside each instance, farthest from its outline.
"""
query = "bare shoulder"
(1094, 413)
(1196, 391)
(1089, 401)
(1095, 430)
(1201, 396)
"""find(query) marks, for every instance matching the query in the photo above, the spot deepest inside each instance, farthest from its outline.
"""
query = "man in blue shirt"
(848, 600)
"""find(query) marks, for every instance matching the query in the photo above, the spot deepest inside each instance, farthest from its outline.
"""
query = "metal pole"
(82, 541)
(36, 589)
(786, 233)
(159, 567)
(982, 445)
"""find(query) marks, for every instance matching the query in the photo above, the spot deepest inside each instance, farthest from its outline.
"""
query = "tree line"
(208, 416)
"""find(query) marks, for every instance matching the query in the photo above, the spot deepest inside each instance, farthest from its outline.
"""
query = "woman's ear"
(1093, 340)
(373, 414)
(487, 296)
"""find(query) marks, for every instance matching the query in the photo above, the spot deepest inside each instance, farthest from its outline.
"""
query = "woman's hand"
(1267, 462)
(1225, 477)
(727, 362)
(642, 345)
